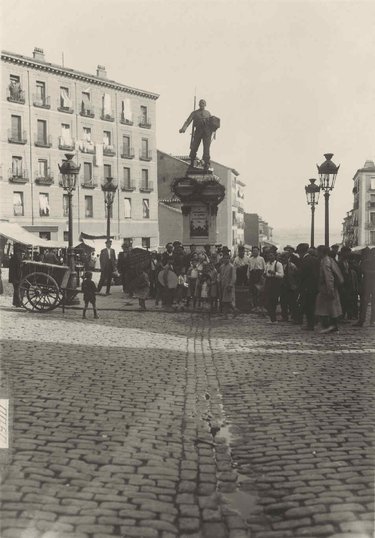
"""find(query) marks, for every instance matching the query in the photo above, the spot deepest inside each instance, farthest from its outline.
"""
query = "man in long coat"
(107, 266)
(328, 305)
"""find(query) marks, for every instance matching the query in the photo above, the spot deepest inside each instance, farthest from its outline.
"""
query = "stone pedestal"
(200, 193)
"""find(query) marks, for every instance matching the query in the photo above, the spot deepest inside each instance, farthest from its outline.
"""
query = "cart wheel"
(39, 292)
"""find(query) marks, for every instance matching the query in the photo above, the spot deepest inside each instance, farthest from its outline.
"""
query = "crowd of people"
(309, 284)
(301, 285)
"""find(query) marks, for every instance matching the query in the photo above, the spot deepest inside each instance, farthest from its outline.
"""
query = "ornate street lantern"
(109, 188)
(312, 196)
(327, 175)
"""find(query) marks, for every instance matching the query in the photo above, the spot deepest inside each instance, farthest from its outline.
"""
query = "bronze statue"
(204, 125)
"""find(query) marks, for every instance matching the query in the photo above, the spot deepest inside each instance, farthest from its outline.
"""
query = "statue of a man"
(203, 128)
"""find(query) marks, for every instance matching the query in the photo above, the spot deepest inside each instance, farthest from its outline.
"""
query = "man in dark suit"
(107, 266)
(308, 276)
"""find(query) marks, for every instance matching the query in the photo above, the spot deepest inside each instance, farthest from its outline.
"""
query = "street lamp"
(69, 172)
(327, 174)
(109, 188)
(312, 197)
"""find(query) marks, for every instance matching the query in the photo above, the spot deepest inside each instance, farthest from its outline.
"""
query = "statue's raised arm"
(204, 125)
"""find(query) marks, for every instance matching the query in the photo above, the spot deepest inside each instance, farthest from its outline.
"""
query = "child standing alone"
(89, 290)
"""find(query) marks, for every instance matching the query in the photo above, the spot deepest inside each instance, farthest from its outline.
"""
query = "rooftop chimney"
(38, 54)
(101, 72)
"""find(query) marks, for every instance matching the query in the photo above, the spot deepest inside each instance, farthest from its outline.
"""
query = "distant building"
(359, 224)
(230, 217)
(48, 110)
(257, 231)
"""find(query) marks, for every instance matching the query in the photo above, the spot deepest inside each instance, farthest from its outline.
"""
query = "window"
(146, 242)
(126, 177)
(42, 168)
(145, 177)
(87, 134)
(107, 171)
(372, 237)
(65, 101)
(107, 138)
(17, 166)
(65, 206)
(146, 208)
(86, 105)
(42, 132)
(88, 207)
(16, 127)
(40, 91)
(15, 87)
(18, 209)
(45, 235)
(144, 147)
(43, 204)
(128, 208)
(372, 183)
(372, 218)
(66, 236)
(87, 172)
(126, 145)
(15, 79)
(144, 114)
(128, 241)
(66, 137)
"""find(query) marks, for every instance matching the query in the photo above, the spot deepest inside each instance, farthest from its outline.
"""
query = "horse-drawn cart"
(43, 286)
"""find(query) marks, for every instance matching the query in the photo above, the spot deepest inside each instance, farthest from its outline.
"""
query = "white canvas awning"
(16, 233)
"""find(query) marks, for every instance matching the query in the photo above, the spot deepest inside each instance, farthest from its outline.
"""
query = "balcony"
(355, 204)
(144, 122)
(16, 95)
(370, 225)
(87, 112)
(146, 186)
(45, 179)
(108, 151)
(65, 109)
(66, 145)
(355, 189)
(129, 186)
(18, 176)
(45, 142)
(145, 155)
(106, 117)
(87, 147)
(41, 101)
(125, 121)
(127, 153)
(371, 204)
(89, 183)
(17, 137)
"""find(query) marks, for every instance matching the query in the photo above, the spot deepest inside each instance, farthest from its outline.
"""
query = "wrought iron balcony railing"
(125, 121)
(109, 151)
(127, 153)
(128, 185)
(89, 183)
(44, 179)
(63, 108)
(16, 95)
(66, 145)
(144, 122)
(18, 176)
(145, 155)
(146, 186)
(17, 137)
(87, 112)
(106, 117)
(45, 142)
(41, 101)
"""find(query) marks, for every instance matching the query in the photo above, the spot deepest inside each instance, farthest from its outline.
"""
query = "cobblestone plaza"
(184, 425)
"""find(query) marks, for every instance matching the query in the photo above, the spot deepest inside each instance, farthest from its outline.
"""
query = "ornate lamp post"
(109, 188)
(327, 174)
(69, 172)
(312, 197)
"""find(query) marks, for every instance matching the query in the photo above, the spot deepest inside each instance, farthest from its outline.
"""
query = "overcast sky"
(289, 80)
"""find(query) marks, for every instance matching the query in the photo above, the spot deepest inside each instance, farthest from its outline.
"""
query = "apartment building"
(48, 110)
(230, 216)
(360, 222)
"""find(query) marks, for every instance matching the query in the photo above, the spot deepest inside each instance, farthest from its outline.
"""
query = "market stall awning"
(16, 233)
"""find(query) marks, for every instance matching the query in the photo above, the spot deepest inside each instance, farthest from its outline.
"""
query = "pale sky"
(289, 80)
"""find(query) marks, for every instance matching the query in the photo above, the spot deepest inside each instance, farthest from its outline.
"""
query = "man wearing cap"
(107, 266)
(201, 132)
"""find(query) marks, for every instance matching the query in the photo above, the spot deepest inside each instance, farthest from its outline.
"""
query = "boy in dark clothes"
(89, 289)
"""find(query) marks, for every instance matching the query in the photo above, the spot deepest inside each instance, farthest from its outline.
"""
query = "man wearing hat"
(107, 266)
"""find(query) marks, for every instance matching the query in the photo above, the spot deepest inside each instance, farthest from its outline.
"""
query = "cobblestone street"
(184, 425)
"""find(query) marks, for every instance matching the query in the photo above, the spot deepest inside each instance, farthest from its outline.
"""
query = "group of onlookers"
(308, 283)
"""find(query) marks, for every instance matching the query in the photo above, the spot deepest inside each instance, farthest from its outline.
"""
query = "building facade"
(359, 225)
(257, 231)
(48, 110)
(230, 216)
